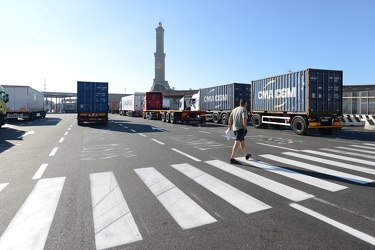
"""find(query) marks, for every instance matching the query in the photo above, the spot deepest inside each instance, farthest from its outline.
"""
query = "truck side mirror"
(6, 98)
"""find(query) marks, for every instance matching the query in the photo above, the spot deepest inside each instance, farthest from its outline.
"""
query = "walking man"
(238, 123)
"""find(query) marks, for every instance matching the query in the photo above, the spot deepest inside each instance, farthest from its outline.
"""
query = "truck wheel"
(224, 119)
(216, 118)
(257, 121)
(163, 117)
(167, 117)
(299, 126)
(172, 118)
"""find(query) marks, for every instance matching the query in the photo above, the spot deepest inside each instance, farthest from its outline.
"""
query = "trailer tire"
(163, 117)
(172, 118)
(256, 120)
(224, 118)
(299, 125)
(216, 118)
(168, 118)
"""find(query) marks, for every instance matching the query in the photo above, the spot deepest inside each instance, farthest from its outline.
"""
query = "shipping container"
(24, 102)
(131, 105)
(305, 100)
(92, 102)
(219, 101)
(114, 106)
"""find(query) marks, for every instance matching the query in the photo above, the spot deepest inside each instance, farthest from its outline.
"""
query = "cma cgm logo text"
(276, 93)
(212, 98)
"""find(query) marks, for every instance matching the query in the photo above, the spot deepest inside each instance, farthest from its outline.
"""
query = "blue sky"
(207, 42)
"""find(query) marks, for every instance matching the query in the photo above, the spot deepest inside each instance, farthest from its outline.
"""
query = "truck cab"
(185, 103)
(4, 98)
(194, 102)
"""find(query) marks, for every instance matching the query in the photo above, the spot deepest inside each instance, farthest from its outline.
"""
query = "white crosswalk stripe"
(30, 226)
(358, 150)
(237, 198)
(327, 171)
(2, 186)
(273, 186)
(349, 153)
(335, 163)
(292, 174)
(339, 157)
(113, 221)
(181, 207)
(362, 146)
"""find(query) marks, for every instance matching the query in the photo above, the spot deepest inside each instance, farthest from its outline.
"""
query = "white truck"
(24, 102)
(131, 105)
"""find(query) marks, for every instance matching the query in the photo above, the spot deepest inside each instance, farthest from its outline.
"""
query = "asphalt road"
(145, 184)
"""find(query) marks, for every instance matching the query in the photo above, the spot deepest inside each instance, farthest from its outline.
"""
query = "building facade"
(359, 100)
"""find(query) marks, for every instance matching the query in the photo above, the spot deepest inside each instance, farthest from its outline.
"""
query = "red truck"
(153, 109)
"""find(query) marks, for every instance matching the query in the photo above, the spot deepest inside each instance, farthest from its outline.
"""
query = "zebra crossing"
(114, 223)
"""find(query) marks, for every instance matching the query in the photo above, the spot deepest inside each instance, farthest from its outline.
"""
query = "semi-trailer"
(4, 98)
(131, 105)
(219, 101)
(92, 102)
(24, 102)
(305, 100)
(114, 106)
(153, 109)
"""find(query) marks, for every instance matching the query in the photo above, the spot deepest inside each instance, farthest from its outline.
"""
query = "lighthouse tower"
(160, 84)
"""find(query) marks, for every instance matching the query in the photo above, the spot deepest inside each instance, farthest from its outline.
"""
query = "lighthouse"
(160, 84)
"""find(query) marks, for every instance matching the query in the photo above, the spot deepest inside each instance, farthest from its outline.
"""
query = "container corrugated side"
(311, 91)
(224, 97)
(280, 94)
(92, 96)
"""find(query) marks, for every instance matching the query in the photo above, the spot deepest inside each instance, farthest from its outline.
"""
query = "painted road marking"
(40, 171)
(162, 143)
(343, 227)
(330, 186)
(290, 149)
(133, 130)
(345, 158)
(113, 221)
(206, 132)
(30, 226)
(142, 134)
(62, 139)
(189, 156)
(335, 163)
(237, 198)
(359, 146)
(348, 153)
(182, 208)
(273, 186)
(53, 152)
(27, 133)
(2, 186)
(357, 150)
(66, 133)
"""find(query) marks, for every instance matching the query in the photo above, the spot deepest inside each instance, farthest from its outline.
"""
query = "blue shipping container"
(224, 97)
(311, 91)
(92, 96)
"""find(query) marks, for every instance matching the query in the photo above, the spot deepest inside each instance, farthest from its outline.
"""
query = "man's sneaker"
(248, 156)
(234, 161)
